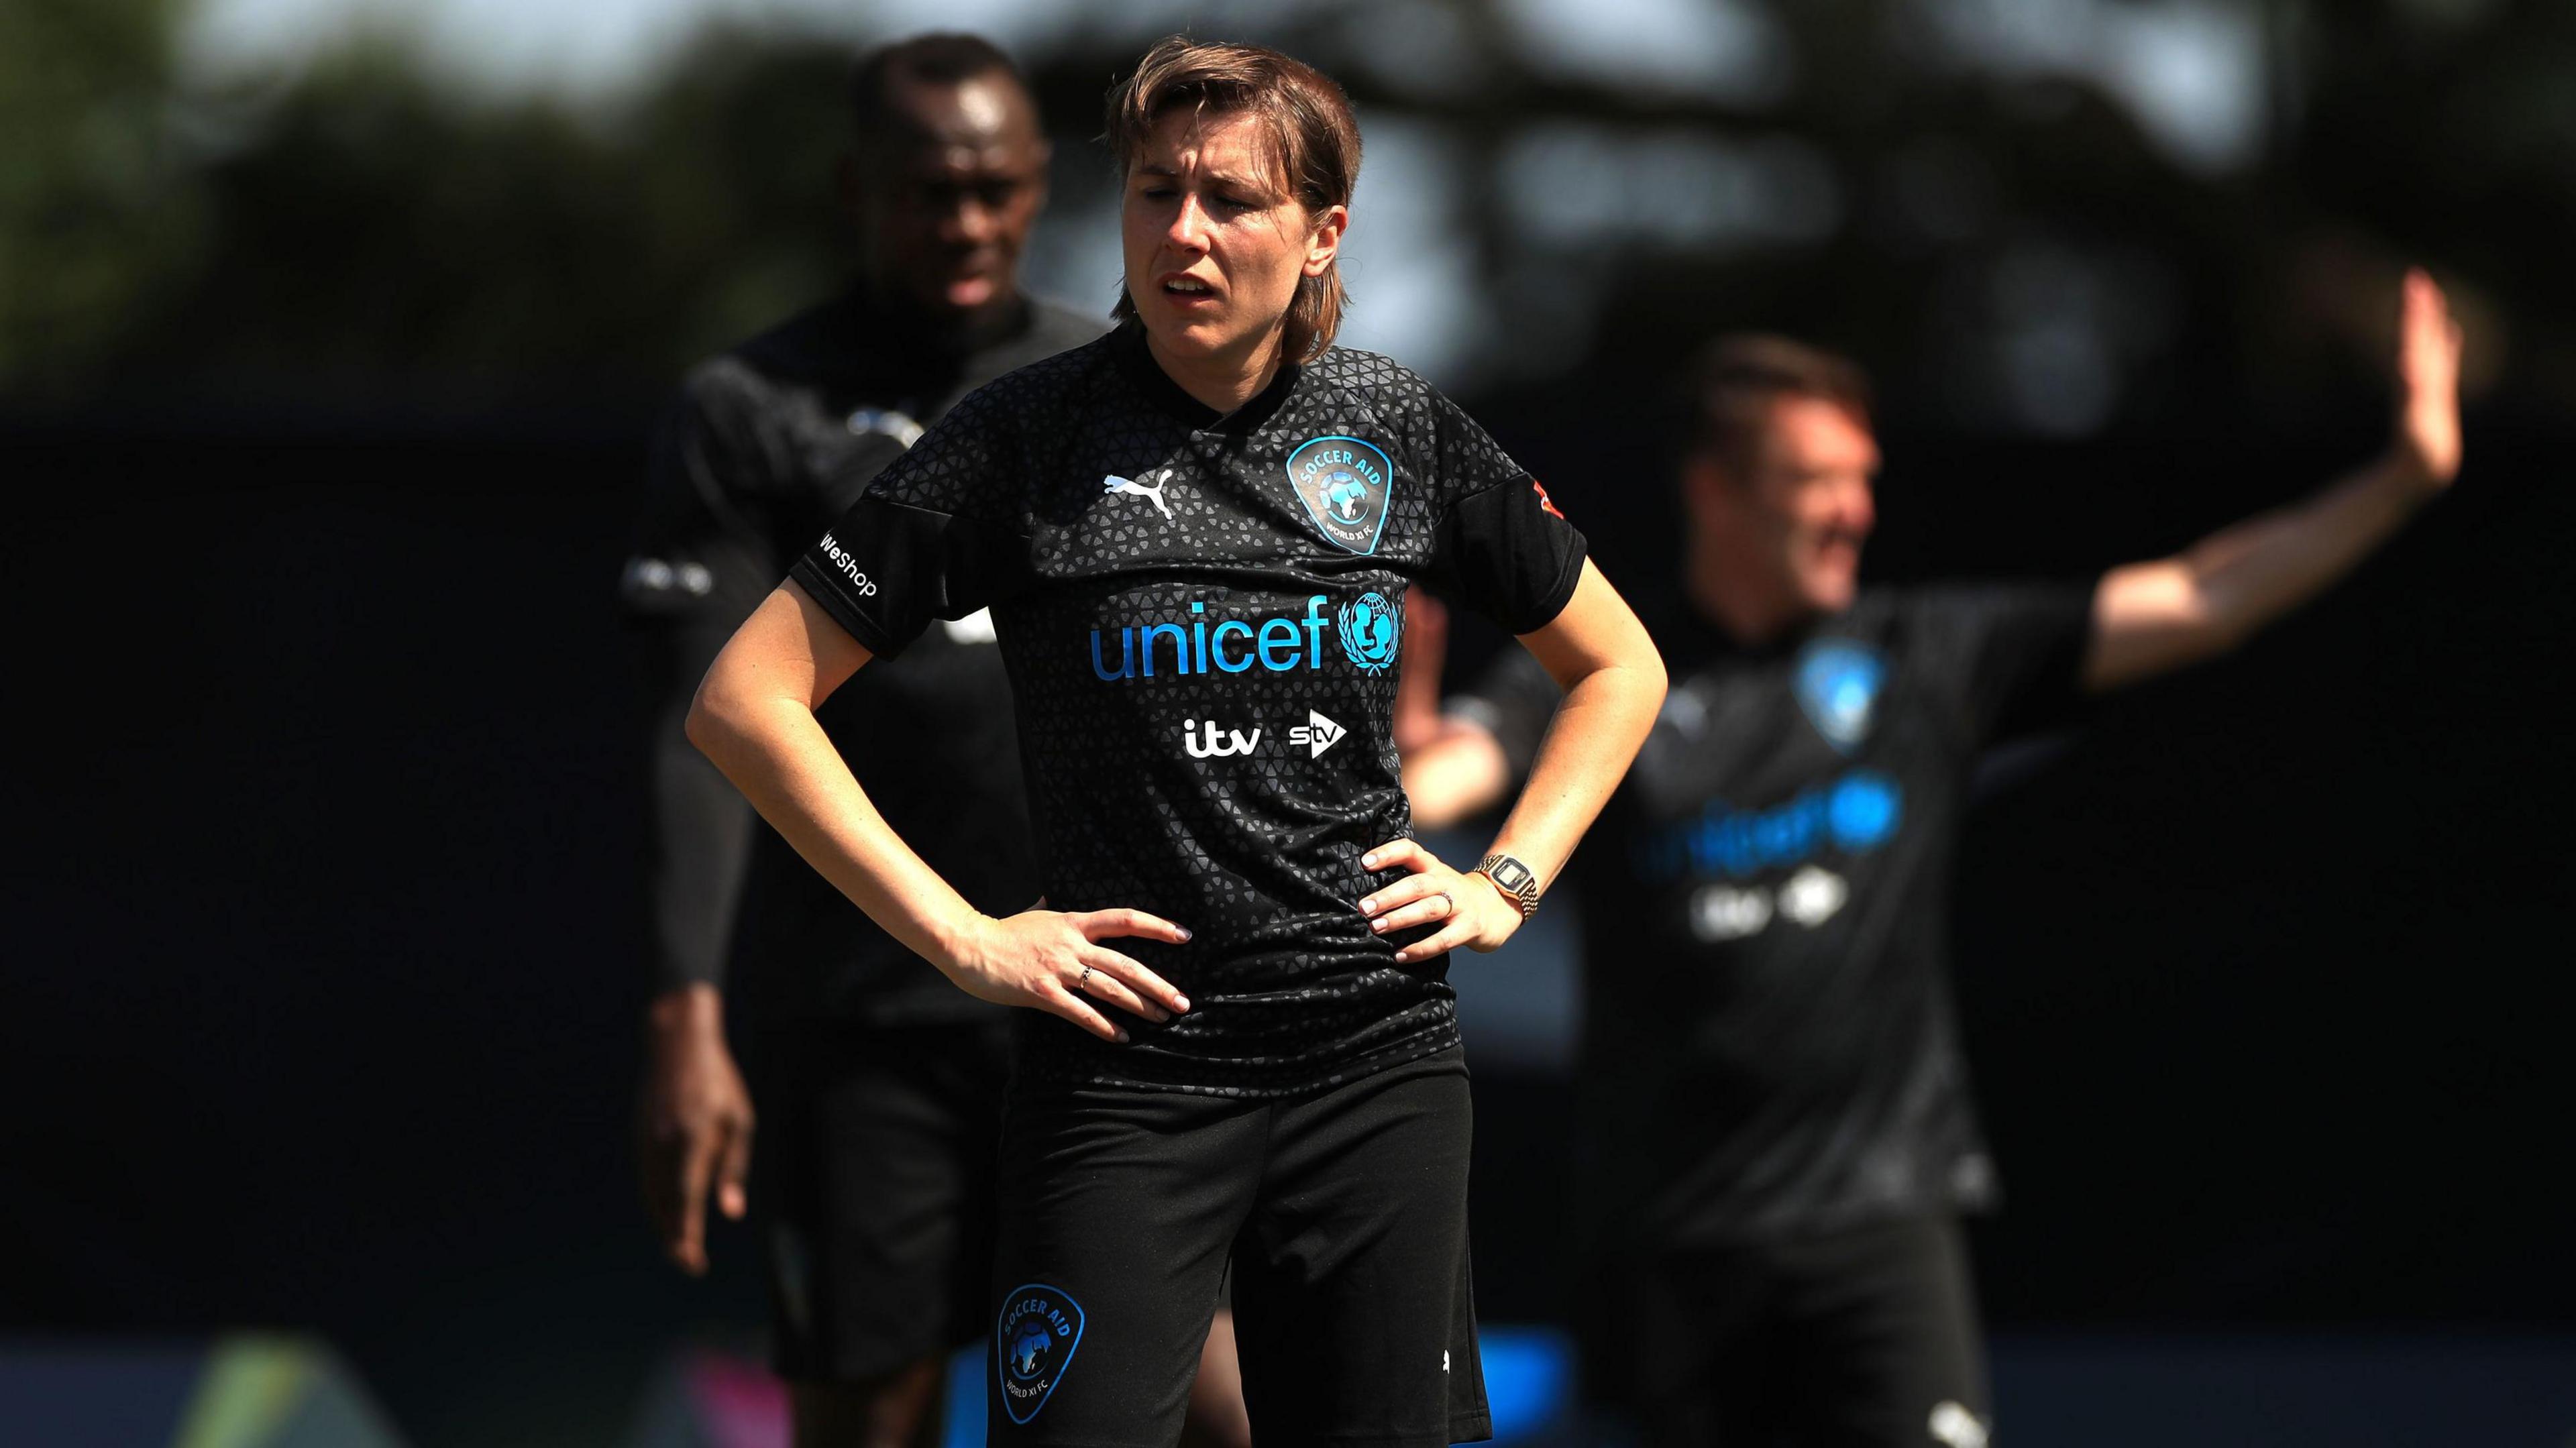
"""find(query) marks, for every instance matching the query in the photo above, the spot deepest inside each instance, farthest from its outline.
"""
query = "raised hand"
(2428, 381)
(1469, 908)
(1052, 961)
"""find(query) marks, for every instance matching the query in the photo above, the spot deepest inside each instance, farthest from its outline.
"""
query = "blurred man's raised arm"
(2152, 617)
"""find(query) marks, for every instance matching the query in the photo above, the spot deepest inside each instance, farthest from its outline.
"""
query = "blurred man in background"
(879, 1082)
(1775, 1113)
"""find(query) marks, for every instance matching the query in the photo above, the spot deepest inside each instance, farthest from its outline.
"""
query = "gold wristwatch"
(1512, 878)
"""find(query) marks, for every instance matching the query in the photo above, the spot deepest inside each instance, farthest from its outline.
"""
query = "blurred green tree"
(377, 227)
(97, 210)
(2006, 244)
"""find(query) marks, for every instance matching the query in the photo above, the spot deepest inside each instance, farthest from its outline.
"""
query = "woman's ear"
(1325, 243)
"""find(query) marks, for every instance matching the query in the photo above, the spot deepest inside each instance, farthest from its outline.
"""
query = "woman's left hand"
(1470, 910)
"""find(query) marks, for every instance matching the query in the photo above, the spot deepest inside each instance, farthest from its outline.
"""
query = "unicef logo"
(1863, 810)
(1856, 814)
(1369, 628)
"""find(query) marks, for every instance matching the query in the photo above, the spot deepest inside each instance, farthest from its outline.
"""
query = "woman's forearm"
(1597, 731)
(754, 716)
(1614, 684)
(766, 740)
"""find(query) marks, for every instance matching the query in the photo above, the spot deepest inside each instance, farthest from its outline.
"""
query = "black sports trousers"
(1344, 1212)
(874, 1172)
(1864, 1338)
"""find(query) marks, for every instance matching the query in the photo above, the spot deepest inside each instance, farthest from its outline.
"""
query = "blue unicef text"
(1279, 643)
(1856, 813)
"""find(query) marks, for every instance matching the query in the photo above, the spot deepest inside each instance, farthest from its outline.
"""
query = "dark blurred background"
(330, 335)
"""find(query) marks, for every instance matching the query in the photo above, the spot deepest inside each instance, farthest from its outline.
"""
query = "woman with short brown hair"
(1196, 536)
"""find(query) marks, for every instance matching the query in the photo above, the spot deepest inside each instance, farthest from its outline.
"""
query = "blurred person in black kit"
(879, 1083)
(1776, 1121)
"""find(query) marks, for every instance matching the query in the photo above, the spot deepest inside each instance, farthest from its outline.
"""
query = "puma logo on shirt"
(1116, 484)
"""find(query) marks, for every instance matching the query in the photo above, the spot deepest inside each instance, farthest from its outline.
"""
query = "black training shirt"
(1769, 1042)
(1202, 615)
(770, 442)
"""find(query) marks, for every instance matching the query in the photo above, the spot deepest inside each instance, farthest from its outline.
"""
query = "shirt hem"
(819, 586)
(1430, 1042)
(1561, 592)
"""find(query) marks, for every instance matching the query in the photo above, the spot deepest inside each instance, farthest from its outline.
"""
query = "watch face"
(1510, 874)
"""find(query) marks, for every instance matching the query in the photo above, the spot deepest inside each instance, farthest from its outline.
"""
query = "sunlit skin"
(942, 206)
(1214, 246)
(1776, 538)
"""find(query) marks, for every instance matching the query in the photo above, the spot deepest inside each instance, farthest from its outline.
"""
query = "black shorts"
(1345, 1216)
(873, 1172)
(1864, 1338)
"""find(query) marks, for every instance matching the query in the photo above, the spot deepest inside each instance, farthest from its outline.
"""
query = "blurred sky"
(2191, 69)
(590, 45)
(2193, 73)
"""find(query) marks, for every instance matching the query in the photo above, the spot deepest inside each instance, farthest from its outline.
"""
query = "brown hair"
(1740, 375)
(1314, 145)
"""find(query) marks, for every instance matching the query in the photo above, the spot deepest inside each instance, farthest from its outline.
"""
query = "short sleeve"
(931, 537)
(1501, 545)
(702, 551)
(2014, 653)
(1514, 701)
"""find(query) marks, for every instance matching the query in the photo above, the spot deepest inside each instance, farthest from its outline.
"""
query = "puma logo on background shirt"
(1116, 484)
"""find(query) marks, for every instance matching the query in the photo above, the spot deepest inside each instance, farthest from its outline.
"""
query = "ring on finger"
(1448, 904)
(1083, 981)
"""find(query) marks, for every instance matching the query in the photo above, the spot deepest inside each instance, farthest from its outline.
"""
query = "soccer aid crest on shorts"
(1034, 1341)
(1837, 685)
(1370, 627)
(1343, 482)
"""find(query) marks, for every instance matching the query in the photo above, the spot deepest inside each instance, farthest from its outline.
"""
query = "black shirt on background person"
(877, 1082)
(771, 442)
(1769, 1041)
(1776, 1126)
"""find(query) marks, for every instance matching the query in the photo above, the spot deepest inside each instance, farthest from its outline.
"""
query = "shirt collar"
(891, 323)
(1127, 344)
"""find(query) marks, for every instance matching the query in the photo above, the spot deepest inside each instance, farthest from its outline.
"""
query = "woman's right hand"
(1054, 961)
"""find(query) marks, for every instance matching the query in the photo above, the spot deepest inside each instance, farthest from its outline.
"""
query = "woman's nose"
(1189, 225)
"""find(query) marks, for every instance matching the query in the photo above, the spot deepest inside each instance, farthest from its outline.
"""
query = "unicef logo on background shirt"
(1863, 810)
(1837, 684)
(1370, 626)
(1344, 484)
(1034, 1341)
(1856, 813)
